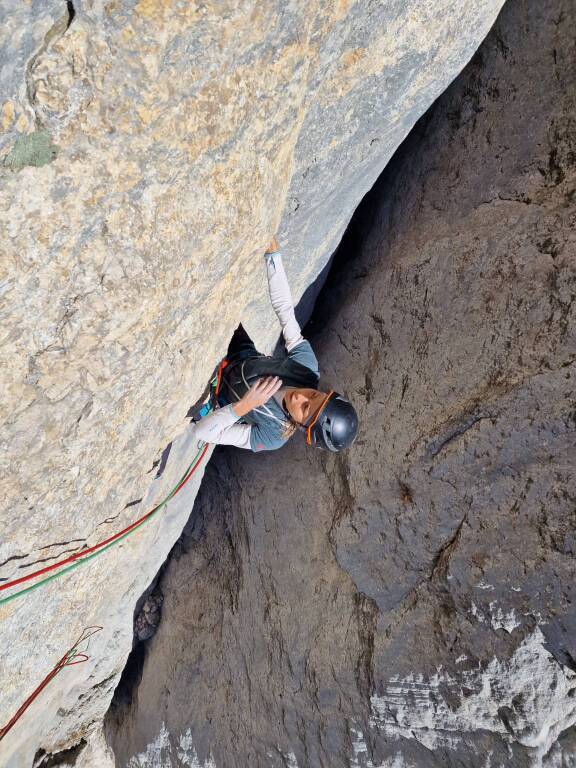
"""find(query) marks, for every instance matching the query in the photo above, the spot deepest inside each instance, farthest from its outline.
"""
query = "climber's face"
(302, 403)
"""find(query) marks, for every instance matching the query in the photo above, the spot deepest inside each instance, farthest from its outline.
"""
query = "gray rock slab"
(408, 603)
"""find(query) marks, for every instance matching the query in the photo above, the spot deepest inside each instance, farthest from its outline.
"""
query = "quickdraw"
(66, 661)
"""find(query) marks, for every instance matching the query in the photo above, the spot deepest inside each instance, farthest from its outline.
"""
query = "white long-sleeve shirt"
(220, 426)
(281, 300)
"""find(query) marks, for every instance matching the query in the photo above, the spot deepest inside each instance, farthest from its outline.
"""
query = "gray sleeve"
(304, 354)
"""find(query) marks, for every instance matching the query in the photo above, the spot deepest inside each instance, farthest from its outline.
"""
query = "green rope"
(81, 561)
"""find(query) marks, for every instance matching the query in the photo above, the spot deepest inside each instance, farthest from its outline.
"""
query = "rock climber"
(264, 400)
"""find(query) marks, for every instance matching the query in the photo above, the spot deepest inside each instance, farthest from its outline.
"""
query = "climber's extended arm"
(281, 299)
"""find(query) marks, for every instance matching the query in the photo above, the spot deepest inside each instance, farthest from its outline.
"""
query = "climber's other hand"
(262, 390)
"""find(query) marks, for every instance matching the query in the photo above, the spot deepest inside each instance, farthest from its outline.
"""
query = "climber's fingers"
(268, 385)
(273, 246)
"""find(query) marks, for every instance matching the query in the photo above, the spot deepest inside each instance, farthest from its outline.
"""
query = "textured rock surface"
(149, 150)
(411, 602)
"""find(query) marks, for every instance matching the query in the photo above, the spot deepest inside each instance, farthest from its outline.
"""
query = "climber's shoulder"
(304, 354)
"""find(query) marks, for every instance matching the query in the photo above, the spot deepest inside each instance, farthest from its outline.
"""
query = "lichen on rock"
(35, 149)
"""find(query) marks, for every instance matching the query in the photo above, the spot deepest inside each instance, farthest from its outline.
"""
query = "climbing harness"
(211, 403)
(66, 661)
(87, 554)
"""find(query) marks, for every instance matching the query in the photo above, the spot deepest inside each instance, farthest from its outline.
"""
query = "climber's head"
(329, 419)
(302, 403)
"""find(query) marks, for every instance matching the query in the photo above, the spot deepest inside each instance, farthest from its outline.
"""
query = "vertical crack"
(441, 561)
(71, 13)
(366, 614)
(54, 33)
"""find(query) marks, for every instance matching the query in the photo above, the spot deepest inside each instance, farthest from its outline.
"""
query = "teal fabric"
(266, 433)
(304, 354)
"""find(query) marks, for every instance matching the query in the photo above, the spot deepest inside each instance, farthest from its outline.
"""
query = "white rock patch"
(160, 754)
(156, 754)
(483, 585)
(532, 685)
(361, 759)
(496, 617)
(500, 620)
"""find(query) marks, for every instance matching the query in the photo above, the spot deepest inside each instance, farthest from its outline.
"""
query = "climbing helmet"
(335, 424)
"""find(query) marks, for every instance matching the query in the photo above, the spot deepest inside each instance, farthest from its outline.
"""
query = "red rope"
(100, 544)
(65, 661)
(117, 535)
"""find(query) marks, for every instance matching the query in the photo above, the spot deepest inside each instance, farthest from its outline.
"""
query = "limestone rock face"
(410, 602)
(149, 151)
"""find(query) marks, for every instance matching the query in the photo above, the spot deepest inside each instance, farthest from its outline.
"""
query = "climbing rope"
(66, 661)
(79, 558)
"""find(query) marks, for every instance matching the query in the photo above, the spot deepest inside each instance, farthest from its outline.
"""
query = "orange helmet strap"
(314, 420)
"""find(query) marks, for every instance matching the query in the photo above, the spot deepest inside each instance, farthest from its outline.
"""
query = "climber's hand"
(273, 247)
(259, 393)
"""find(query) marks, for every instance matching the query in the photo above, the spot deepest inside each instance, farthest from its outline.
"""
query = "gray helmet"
(335, 426)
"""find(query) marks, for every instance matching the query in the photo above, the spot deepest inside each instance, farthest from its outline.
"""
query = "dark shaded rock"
(409, 602)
